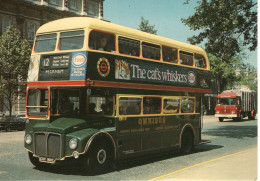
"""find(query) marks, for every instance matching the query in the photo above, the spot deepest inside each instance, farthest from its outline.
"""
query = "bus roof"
(91, 23)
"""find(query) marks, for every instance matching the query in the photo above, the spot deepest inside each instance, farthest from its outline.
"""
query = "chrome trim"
(92, 138)
(226, 115)
(109, 129)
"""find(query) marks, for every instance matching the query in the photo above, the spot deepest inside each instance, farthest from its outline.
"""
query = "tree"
(14, 63)
(223, 24)
(224, 73)
(248, 77)
(146, 27)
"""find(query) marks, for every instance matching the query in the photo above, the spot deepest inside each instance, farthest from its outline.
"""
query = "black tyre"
(240, 118)
(251, 117)
(99, 159)
(187, 142)
(220, 119)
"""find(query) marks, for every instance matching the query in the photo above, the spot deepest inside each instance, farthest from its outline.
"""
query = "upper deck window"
(200, 61)
(186, 58)
(101, 41)
(71, 40)
(169, 54)
(45, 43)
(129, 46)
(151, 51)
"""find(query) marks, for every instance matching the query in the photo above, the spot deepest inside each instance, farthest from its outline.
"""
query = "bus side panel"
(129, 136)
(152, 132)
(171, 131)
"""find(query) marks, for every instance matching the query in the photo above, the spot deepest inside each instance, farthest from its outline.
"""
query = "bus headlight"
(73, 143)
(28, 139)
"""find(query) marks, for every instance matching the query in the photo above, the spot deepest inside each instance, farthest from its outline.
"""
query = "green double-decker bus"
(101, 92)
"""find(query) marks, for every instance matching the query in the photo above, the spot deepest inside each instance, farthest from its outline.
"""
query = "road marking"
(202, 163)
(3, 172)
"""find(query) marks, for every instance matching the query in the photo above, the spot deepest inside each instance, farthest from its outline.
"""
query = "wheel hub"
(101, 156)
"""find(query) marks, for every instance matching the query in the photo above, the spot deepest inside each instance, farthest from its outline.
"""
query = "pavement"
(243, 164)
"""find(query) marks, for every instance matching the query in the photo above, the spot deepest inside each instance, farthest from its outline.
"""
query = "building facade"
(29, 15)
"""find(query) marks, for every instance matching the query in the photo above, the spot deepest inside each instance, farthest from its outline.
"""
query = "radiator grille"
(47, 145)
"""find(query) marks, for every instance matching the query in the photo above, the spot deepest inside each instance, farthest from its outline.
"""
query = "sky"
(164, 14)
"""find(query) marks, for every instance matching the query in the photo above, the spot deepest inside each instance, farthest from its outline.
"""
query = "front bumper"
(225, 115)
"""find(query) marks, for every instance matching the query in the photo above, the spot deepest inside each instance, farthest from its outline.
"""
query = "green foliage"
(146, 27)
(248, 77)
(223, 25)
(224, 72)
(14, 63)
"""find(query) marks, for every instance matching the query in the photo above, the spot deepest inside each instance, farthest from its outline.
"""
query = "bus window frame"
(206, 65)
(48, 103)
(46, 52)
(142, 54)
(58, 100)
(187, 53)
(171, 97)
(177, 52)
(129, 96)
(194, 105)
(153, 96)
(98, 95)
(120, 36)
(106, 32)
(59, 38)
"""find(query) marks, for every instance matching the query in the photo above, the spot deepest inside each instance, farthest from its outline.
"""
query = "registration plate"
(44, 159)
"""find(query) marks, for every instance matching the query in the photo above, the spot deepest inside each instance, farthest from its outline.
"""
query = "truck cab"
(228, 106)
(236, 105)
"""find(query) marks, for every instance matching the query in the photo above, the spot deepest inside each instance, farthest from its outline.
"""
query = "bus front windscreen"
(37, 102)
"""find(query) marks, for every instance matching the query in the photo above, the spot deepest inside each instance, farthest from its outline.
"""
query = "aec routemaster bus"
(101, 92)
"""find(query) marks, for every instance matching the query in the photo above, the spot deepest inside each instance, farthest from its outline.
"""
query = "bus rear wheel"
(99, 159)
(187, 142)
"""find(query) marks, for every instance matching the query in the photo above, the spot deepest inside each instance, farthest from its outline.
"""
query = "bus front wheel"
(187, 142)
(99, 159)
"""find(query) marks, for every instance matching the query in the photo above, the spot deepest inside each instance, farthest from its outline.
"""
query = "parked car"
(12, 123)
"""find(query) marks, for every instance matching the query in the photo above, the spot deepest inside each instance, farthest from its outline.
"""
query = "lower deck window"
(187, 105)
(65, 101)
(129, 106)
(171, 106)
(151, 105)
(99, 105)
